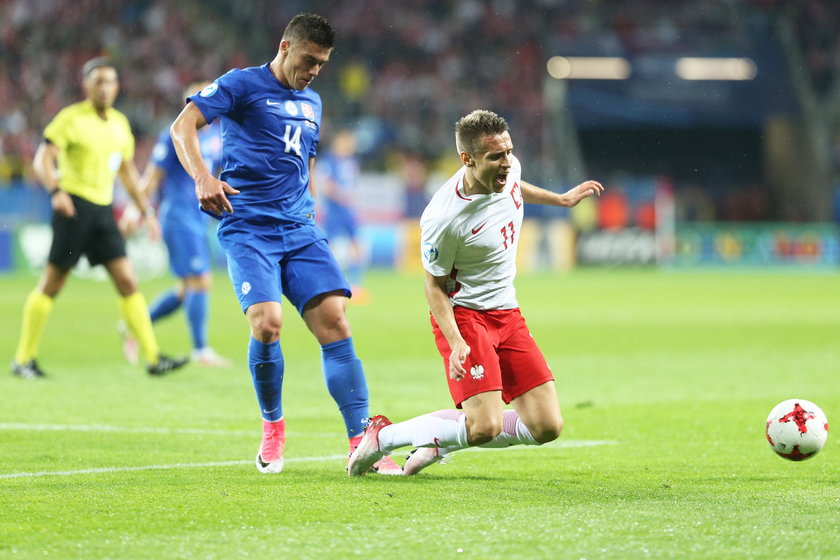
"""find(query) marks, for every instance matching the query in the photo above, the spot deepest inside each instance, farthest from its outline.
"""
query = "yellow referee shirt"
(91, 150)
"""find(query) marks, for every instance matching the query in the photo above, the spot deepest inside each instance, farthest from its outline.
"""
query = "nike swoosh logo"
(270, 102)
(477, 229)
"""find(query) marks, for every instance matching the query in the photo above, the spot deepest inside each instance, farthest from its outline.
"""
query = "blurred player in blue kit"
(338, 176)
(270, 124)
(185, 234)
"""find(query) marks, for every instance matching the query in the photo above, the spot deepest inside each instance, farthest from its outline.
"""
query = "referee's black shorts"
(92, 232)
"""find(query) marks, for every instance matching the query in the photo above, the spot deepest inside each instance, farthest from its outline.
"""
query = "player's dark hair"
(94, 63)
(469, 130)
(310, 27)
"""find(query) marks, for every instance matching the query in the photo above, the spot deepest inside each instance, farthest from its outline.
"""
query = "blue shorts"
(189, 251)
(266, 261)
(339, 221)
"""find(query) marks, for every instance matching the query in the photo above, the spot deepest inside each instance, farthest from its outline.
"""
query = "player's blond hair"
(471, 129)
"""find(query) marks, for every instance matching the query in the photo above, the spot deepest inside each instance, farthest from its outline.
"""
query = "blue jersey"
(178, 204)
(343, 171)
(269, 134)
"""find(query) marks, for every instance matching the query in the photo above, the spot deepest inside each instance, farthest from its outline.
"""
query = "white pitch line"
(15, 426)
(578, 443)
(162, 467)
(19, 426)
(560, 444)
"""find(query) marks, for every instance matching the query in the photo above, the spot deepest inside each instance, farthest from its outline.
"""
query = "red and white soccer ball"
(797, 429)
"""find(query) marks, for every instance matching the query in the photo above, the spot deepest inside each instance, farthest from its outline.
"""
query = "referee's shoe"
(29, 370)
(165, 365)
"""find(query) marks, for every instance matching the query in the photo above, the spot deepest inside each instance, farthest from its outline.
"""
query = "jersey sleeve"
(220, 97)
(438, 247)
(59, 131)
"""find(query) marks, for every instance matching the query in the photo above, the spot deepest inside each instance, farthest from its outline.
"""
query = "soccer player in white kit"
(470, 233)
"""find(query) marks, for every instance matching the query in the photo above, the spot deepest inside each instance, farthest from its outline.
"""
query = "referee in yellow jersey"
(84, 148)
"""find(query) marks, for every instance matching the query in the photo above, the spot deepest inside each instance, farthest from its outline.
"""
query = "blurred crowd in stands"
(401, 74)
(817, 25)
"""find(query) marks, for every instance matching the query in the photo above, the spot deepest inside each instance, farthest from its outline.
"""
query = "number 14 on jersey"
(292, 140)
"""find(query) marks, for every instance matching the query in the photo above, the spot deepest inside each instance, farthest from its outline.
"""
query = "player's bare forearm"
(44, 165)
(533, 194)
(441, 308)
(184, 133)
(130, 178)
(152, 178)
(211, 193)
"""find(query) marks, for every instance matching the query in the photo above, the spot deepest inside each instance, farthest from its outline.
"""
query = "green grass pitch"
(665, 380)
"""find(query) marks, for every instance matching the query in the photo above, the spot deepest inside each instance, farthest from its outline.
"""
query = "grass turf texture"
(677, 370)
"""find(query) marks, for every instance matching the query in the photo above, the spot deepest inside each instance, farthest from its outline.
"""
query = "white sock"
(514, 432)
(444, 428)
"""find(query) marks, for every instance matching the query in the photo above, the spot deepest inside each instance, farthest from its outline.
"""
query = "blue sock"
(266, 364)
(196, 305)
(165, 304)
(346, 383)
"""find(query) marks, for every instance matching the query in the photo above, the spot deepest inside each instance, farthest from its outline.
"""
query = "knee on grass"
(547, 432)
(483, 431)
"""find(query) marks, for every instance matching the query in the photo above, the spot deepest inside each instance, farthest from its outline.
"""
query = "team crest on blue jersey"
(159, 151)
(209, 90)
(291, 108)
(308, 112)
(430, 252)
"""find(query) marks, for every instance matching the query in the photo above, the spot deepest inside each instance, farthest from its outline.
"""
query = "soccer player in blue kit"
(338, 174)
(270, 129)
(185, 234)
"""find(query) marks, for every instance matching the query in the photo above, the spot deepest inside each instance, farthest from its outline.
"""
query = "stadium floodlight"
(695, 68)
(588, 68)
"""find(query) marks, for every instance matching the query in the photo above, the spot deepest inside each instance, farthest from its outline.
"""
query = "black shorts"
(92, 232)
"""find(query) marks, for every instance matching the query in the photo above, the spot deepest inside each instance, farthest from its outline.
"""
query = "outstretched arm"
(211, 192)
(438, 299)
(533, 194)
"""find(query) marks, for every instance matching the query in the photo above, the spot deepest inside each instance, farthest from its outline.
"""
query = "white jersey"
(473, 240)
